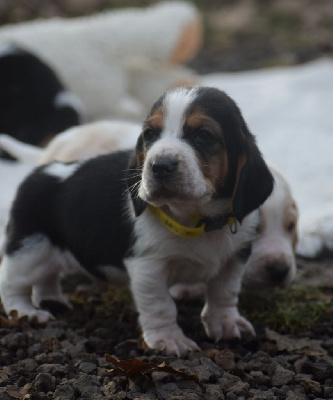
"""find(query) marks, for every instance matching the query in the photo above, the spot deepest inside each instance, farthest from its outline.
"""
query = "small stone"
(225, 359)
(296, 394)
(262, 395)
(311, 386)
(227, 381)
(44, 382)
(64, 392)
(298, 365)
(319, 370)
(14, 341)
(214, 392)
(85, 381)
(207, 371)
(282, 376)
(87, 367)
(165, 390)
(36, 349)
(160, 376)
(260, 379)
(27, 366)
(259, 361)
(239, 388)
(57, 370)
(89, 391)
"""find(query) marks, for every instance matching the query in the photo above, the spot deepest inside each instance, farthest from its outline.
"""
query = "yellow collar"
(205, 224)
(175, 227)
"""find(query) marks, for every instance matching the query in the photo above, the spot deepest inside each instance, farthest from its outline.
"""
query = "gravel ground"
(65, 359)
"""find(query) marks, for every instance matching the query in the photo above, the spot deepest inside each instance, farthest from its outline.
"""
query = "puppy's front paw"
(225, 322)
(32, 314)
(170, 340)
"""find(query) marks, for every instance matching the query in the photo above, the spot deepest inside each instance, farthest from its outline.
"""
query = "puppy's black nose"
(163, 167)
(277, 272)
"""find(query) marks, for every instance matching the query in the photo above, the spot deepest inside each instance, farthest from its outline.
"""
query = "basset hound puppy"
(181, 208)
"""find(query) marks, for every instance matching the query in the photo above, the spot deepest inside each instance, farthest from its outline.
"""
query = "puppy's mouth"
(164, 196)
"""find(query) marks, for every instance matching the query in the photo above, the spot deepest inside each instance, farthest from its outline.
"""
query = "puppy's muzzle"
(277, 273)
(163, 168)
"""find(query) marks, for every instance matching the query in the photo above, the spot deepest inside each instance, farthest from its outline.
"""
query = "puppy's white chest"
(184, 260)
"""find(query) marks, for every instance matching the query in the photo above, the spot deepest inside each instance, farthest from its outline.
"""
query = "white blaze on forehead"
(61, 171)
(175, 105)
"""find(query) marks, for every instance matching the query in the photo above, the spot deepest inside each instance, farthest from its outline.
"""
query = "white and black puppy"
(179, 208)
(34, 105)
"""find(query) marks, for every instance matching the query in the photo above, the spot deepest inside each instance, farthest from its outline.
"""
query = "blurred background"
(238, 34)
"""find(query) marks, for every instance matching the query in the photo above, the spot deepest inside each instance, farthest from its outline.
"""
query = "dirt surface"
(65, 359)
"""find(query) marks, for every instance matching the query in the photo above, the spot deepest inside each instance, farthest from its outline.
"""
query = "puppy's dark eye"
(150, 135)
(203, 137)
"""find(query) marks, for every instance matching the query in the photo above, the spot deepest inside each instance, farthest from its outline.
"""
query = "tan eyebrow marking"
(198, 119)
(156, 120)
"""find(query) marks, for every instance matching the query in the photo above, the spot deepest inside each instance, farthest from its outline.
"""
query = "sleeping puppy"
(181, 208)
(272, 261)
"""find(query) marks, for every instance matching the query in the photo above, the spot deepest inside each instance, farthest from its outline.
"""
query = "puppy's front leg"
(157, 310)
(220, 315)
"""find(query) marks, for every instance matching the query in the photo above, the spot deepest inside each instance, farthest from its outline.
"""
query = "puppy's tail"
(23, 152)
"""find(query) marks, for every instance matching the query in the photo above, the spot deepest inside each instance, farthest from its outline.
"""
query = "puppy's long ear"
(253, 183)
(134, 176)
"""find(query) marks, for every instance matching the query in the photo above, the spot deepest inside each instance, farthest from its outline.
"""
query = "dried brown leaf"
(134, 367)
(285, 342)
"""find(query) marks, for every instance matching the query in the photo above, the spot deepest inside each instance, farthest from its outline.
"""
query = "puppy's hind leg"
(20, 271)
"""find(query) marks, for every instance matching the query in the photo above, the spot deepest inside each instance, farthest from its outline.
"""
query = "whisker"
(129, 177)
(132, 188)
(132, 169)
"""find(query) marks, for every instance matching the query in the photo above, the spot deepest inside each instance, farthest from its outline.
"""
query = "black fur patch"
(86, 214)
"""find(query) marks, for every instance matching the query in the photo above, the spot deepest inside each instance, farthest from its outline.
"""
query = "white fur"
(24, 152)
(27, 269)
(89, 140)
(190, 184)
(186, 261)
(175, 105)
(61, 171)
(31, 275)
(7, 49)
(68, 99)
(79, 142)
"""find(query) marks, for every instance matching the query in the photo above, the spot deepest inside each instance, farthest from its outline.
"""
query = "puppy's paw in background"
(39, 299)
(225, 323)
(31, 314)
(170, 341)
